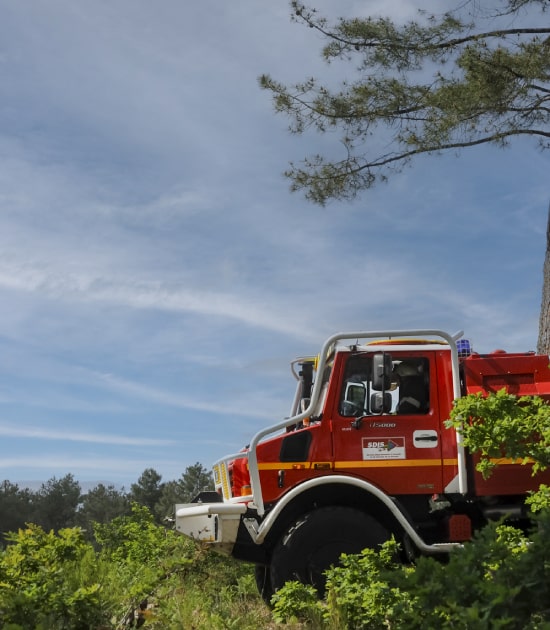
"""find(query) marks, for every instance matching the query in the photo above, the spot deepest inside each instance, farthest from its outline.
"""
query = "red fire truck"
(366, 455)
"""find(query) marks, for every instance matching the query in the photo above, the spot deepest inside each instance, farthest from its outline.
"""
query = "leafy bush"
(498, 581)
(50, 581)
(480, 587)
(297, 602)
(217, 592)
(363, 591)
(503, 425)
(143, 557)
(59, 581)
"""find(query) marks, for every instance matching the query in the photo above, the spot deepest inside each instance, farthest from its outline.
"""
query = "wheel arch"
(336, 490)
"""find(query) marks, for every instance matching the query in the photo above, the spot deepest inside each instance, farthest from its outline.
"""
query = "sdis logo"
(384, 448)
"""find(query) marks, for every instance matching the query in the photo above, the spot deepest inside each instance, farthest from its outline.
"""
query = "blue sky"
(156, 275)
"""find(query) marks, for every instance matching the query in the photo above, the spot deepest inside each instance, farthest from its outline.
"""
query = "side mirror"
(381, 371)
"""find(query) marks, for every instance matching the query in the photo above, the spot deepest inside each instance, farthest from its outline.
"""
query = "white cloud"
(40, 433)
(145, 295)
(69, 463)
(216, 406)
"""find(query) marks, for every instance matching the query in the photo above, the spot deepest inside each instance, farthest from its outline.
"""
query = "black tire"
(263, 582)
(317, 540)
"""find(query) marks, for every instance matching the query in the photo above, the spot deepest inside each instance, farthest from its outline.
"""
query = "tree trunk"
(543, 344)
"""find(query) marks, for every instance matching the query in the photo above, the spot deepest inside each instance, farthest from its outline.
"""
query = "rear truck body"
(365, 455)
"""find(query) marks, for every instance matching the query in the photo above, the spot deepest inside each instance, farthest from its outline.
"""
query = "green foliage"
(161, 498)
(141, 554)
(504, 426)
(50, 581)
(148, 489)
(16, 508)
(219, 593)
(498, 581)
(436, 83)
(70, 580)
(297, 602)
(539, 500)
(363, 592)
(56, 503)
(100, 505)
(131, 538)
(195, 479)
(59, 502)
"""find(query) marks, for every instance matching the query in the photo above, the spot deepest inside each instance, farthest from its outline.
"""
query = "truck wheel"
(316, 541)
(263, 582)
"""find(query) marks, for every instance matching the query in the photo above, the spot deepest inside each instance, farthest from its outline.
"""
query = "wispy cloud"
(68, 463)
(147, 295)
(252, 409)
(40, 433)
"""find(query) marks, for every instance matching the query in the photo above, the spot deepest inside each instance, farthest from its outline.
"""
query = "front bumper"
(214, 523)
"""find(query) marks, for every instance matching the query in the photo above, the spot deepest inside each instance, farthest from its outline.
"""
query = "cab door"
(390, 436)
(303, 452)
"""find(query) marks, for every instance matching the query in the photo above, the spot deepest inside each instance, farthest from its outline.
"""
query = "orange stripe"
(378, 463)
(389, 463)
(510, 461)
(285, 466)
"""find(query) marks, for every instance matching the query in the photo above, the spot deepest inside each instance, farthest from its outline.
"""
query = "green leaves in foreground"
(504, 426)
(51, 581)
(61, 581)
(498, 581)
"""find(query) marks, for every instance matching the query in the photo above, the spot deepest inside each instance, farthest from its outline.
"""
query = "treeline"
(60, 503)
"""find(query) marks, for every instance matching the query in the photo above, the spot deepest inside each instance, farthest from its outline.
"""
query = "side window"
(409, 392)
(357, 378)
(412, 386)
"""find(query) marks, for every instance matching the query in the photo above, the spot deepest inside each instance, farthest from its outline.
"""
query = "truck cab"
(386, 428)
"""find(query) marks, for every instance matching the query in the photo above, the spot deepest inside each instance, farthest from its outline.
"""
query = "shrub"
(50, 581)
